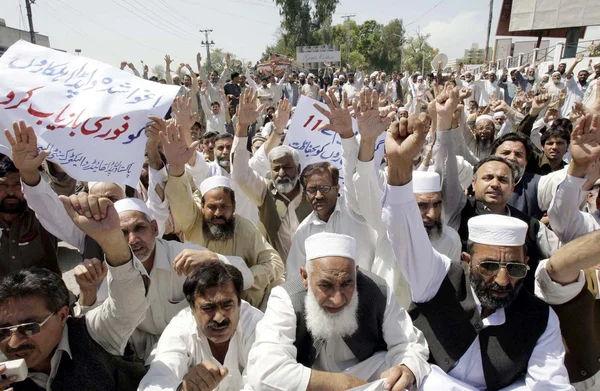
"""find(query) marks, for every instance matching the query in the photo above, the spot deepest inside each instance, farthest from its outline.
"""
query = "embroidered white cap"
(426, 182)
(497, 230)
(213, 182)
(326, 244)
(402, 109)
(483, 118)
(375, 74)
(92, 184)
(499, 114)
(134, 204)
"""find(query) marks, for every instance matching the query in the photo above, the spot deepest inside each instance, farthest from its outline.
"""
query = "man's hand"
(168, 60)
(282, 116)
(89, 275)
(25, 152)
(594, 105)
(153, 130)
(123, 64)
(403, 144)
(464, 93)
(205, 376)
(398, 378)
(248, 110)
(199, 60)
(181, 110)
(585, 144)
(338, 118)
(539, 103)
(227, 60)
(131, 66)
(551, 114)
(445, 106)
(579, 58)
(188, 260)
(5, 383)
(145, 69)
(371, 120)
(176, 149)
(577, 112)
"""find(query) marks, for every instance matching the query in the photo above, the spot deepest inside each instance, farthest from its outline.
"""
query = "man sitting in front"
(208, 342)
(335, 327)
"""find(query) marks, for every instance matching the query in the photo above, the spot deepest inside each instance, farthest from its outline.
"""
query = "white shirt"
(202, 170)
(352, 89)
(272, 361)
(165, 294)
(425, 269)
(110, 324)
(182, 347)
(214, 122)
(484, 89)
(311, 91)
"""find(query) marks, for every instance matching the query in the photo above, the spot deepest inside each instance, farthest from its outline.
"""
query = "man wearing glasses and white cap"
(335, 327)
(483, 329)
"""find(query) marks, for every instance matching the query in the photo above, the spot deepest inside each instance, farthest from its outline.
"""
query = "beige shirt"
(311, 91)
(247, 242)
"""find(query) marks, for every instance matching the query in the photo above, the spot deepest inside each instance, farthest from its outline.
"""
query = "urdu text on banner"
(90, 116)
(326, 145)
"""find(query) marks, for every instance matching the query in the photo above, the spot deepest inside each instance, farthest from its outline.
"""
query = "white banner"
(319, 56)
(315, 147)
(90, 115)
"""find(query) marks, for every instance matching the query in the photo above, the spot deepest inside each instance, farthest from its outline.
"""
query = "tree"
(303, 17)
(159, 71)
(217, 62)
(415, 49)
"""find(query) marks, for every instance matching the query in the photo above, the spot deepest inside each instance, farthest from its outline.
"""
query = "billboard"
(318, 54)
(551, 14)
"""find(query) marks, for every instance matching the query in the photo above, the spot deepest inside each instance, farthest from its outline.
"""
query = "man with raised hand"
(335, 327)
(484, 331)
(279, 199)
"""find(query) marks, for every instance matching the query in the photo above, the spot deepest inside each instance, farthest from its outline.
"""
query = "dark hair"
(223, 136)
(214, 72)
(7, 167)
(212, 274)
(234, 75)
(493, 158)
(475, 103)
(226, 190)
(153, 78)
(215, 103)
(563, 123)
(558, 131)
(209, 134)
(37, 282)
(515, 137)
(320, 168)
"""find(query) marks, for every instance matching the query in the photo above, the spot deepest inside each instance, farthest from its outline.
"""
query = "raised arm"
(168, 62)
(422, 266)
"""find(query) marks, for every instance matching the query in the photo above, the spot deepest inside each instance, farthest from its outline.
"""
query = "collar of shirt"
(495, 319)
(316, 220)
(43, 380)
(160, 257)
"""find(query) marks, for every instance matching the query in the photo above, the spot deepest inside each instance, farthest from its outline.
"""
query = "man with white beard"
(335, 327)
(280, 203)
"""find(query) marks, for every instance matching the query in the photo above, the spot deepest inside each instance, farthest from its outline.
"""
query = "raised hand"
(402, 145)
(445, 106)
(551, 114)
(25, 154)
(145, 68)
(153, 129)
(176, 149)
(130, 65)
(370, 120)
(585, 141)
(338, 118)
(228, 60)
(248, 111)
(539, 103)
(168, 60)
(123, 64)
(90, 273)
(181, 110)
(577, 112)
(94, 215)
(282, 116)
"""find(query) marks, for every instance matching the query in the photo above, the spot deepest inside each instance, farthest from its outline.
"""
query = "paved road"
(68, 258)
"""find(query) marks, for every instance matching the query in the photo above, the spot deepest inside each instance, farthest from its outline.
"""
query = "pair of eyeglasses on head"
(513, 269)
(25, 329)
(321, 189)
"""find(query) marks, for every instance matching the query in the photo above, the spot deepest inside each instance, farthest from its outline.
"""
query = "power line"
(208, 44)
(180, 15)
(160, 19)
(426, 12)
(226, 13)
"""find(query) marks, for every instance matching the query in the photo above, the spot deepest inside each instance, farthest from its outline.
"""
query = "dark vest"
(92, 249)
(273, 209)
(91, 369)
(366, 341)
(580, 329)
(525, 196)
(476, 208)
(450, 322)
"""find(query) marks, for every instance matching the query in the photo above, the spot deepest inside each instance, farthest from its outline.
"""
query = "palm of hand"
(585, 148)
(247, 113)
(340, 120)
(177, 152)
(370, 124)
(23, 156)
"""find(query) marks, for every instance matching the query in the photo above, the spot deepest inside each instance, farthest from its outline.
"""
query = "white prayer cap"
(426, 182)
(92, 184)
(134, 204)
(556, 73)
(497, 230)
(483, 118)
(327, 244)
(499, 114)
(302, 74)
(468, 73)
(213, 182)
(419, 77)
(174, 75)
(402, 108)
(311, 75)
(374, 74)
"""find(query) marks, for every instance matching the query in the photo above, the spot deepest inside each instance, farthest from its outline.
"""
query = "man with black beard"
(24, 242)
(211, 222)
(335, 327)
(484, 331)
(279, 199)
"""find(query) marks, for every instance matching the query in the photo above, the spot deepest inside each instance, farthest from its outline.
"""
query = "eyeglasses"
(487, 127)
(322, 189)
(492, 268)
(25, 329)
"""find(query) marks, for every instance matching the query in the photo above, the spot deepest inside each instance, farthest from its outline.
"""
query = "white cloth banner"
(89, 115)
(326, 145)
(373, 386)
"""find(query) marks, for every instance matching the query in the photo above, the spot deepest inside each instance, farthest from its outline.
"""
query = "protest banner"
(90, 116)
(326, 145)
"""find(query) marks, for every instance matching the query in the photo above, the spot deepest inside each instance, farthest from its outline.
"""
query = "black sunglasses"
(492, 268)
(25, 329)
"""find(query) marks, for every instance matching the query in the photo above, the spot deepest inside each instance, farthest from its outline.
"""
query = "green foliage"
(217, 61)
(159, 71)
(416, 47)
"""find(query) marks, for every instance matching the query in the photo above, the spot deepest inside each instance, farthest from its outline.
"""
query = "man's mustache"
(21, 348)
(215, 325)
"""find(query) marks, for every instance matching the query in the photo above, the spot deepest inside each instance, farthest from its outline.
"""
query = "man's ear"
(304, 276)
(63, 315)
(466, 257)
(154, 228)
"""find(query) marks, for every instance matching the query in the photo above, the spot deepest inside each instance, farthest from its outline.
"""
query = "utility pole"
(30, 18)
(348, 17)
(208, 44)
(489, 30)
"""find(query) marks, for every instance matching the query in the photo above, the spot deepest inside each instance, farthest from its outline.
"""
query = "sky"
(145, 30)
